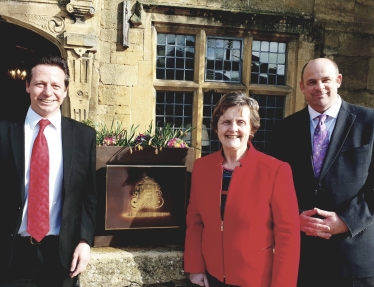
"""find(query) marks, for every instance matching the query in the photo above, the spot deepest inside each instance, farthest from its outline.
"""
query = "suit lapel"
(343, 125)
(304, 133)
(67, 129)
(17, 138)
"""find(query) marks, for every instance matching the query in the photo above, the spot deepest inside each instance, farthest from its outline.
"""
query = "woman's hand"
(199, 279)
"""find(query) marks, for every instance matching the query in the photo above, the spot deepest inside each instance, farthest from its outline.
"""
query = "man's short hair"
(50, 60)
(332, 61)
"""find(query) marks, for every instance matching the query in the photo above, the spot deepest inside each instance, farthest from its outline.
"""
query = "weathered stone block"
(334, 10)
(114, 110)
(356, 44)
(114, 95)
(143, 101)
(145, 73)
(128, 266)
(354, 71)
(109, 19)
(130, 58)
(78, 39)
(113, 74)
(113, 4)
(331, 45)
(137, 37)
(364, 11)
(104, 52)
(371, 75)
(108, 35)
(358, 97)
(104, 117)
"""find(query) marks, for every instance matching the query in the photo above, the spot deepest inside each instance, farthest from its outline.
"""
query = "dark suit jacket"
(79, 187)
(345, 186)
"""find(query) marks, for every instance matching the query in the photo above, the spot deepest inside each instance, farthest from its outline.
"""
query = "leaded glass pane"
(174, 108)
(271, 110)
(268, 63)
(223, 57)
(175, 53)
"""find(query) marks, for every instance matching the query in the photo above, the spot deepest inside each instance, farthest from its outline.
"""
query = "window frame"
(199, 86)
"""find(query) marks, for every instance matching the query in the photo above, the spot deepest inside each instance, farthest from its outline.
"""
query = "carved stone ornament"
(136, 18)
(81, 9)
(52, 25)
(56, 25)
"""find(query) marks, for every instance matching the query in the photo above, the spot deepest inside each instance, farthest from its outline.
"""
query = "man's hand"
(81, 257)
(321, 227)
(333, 221)
(199, 279)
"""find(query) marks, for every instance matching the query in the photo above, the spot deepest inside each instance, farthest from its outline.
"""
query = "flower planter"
(116, 155)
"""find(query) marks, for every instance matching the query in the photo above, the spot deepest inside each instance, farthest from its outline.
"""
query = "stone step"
(135, 266)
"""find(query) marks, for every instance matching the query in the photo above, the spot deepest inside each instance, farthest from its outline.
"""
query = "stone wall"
(120, 80)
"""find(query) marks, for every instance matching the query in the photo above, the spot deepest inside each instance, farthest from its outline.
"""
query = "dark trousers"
(336, 282)
(38, 265)
(214, 282)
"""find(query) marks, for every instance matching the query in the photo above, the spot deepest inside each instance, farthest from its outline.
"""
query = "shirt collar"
(33, 119)
(332, 112)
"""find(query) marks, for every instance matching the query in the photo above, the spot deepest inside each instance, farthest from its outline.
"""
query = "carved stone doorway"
(18, 46)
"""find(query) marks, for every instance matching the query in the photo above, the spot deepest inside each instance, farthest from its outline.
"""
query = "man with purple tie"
(329, 145)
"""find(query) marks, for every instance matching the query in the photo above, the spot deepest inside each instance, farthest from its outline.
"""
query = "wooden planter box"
(116, 155)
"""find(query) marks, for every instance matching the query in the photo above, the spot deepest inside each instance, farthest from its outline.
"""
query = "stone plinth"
(120, 267)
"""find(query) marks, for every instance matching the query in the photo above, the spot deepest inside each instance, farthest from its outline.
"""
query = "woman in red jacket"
(242, 217)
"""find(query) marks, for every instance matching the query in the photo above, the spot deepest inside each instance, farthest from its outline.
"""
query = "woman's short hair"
(237, 99)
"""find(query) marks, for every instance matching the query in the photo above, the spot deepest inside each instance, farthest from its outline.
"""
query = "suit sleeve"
(275, 148)
(358, 213)
(89, 199)
(193, 258)
(286, 229)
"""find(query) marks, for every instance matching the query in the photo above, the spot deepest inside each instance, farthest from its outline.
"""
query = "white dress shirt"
(52, 133)
(330, 122)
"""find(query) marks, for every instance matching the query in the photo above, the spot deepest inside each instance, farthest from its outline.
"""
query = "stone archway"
(17, 48)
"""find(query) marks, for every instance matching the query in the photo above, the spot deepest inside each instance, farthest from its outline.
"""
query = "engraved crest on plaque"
(147, 194)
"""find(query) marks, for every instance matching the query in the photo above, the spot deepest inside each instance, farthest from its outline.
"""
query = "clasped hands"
(329, 225)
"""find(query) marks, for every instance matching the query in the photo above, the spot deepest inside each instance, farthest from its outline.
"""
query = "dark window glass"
(268, 63)
(175, 52)
(174, 108)
(223, 57)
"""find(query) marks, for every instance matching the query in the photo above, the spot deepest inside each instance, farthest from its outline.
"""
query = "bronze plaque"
(145, 197)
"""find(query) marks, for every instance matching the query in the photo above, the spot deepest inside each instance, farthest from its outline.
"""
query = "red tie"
(38, 209)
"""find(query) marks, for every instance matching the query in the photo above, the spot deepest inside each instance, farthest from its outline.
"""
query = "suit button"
(11, 235)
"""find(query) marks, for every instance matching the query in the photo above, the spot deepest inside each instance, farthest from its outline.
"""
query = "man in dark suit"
(62, 252)
(336, 199)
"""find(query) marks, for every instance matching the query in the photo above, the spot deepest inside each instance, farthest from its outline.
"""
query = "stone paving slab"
(149, 267)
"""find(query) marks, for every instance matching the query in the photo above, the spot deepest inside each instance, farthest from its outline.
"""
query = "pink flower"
(109, 141)
(177, 143)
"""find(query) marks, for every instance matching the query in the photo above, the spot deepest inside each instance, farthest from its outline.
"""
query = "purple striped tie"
(320, 144)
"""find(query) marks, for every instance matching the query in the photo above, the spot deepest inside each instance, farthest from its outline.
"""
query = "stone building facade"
(117, 63)
(148, 60)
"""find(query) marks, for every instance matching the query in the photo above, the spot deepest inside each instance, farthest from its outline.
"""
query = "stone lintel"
(81, 40)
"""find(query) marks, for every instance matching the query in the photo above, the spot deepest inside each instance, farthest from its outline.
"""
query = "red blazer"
(260, 242)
